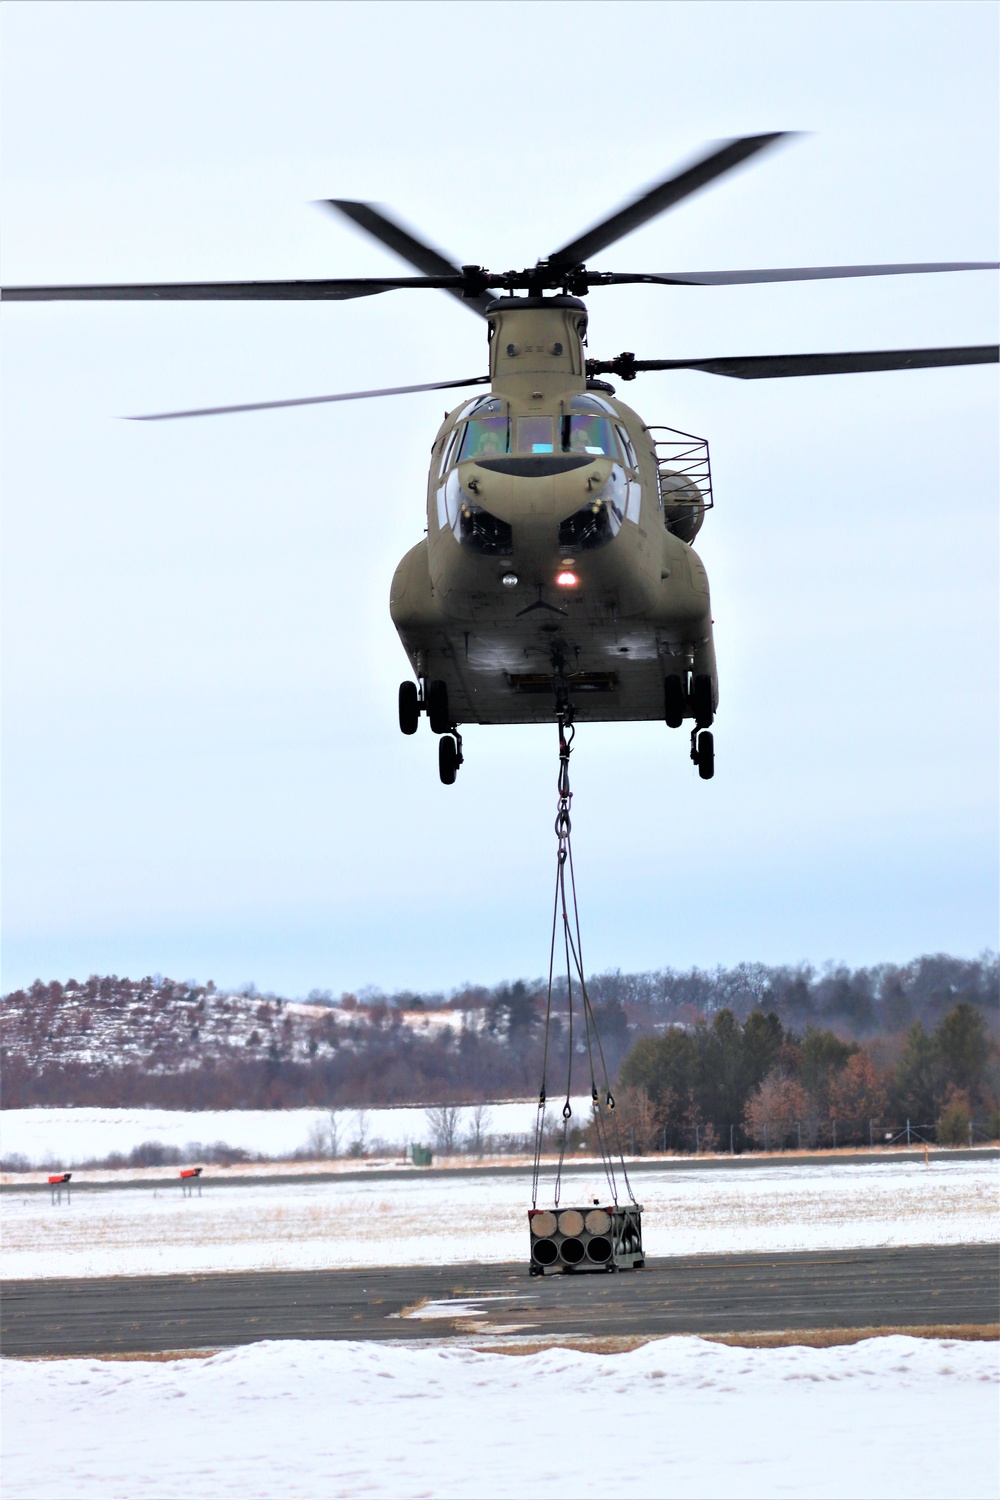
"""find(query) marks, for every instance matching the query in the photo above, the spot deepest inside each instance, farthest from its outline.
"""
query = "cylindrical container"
(543, 1224)
(599, 1249)
(570, 1222)
(572, 1251)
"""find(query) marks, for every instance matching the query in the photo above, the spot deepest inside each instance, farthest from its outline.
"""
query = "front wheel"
(447, 759)
(409, 707)
(674, 700)
(437, 706)
(701, 700)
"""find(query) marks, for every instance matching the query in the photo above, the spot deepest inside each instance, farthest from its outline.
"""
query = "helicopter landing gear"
(409, 707)
(674, 700)
(432, 698)
(449, 755)
(703, 752)
(437, 707)
(701, 701)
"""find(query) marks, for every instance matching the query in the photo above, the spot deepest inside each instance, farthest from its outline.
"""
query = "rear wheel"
(701, 701)
(409, 707)
(437, 706)
(706, 755)
(674, 701)
(447, 759)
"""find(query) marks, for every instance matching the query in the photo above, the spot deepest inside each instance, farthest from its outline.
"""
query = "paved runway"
(913, 1287)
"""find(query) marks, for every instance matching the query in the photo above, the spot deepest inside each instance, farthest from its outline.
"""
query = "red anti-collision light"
(567, 580)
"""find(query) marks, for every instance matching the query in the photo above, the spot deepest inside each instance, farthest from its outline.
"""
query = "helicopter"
(558, 576)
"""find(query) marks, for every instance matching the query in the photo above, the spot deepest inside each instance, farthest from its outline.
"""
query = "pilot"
(487, 438)
(586, 435)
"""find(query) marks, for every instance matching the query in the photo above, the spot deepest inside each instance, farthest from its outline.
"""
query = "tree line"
(729, 1084)
(746, 1049)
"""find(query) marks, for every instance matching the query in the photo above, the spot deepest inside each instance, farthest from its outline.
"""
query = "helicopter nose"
(518, 492)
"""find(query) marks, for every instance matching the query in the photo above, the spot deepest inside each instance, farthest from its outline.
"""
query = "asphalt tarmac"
(897, 1288)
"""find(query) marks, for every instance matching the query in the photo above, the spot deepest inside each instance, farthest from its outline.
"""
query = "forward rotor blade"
(394, 390)
(402, 242)
(780, 366)
(799, 273)
(227, 291)
(664, 195)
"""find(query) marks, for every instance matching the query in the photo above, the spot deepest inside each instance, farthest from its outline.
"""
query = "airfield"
(328, 1335)
(843, 1241)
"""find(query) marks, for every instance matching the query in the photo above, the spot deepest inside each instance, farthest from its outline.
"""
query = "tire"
(706, 756)
(437, 706)
(701, 701)
(674, 701)
(447, 759)
(409, 707)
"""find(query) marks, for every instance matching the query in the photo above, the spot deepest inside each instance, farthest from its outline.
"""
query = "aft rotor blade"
(404, 243)
(339, 290)
(394, 390)
(799, 273)
(664, 195)
(780, 366)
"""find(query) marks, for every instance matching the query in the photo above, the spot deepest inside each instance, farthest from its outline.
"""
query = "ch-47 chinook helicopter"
(558, 575)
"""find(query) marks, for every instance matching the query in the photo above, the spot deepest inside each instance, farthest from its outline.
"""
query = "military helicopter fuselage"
(557, 566)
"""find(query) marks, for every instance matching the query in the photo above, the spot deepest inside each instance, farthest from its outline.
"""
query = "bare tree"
(443, 1124)
(334, 1133)
(482, 1119)
(360, 1143)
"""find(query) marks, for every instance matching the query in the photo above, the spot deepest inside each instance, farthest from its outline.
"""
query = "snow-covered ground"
(890, 1417)
(481, 1217)
(63, 1138)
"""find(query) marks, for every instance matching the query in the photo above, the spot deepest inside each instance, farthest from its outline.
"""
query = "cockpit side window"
(448, 451)
(626, 446)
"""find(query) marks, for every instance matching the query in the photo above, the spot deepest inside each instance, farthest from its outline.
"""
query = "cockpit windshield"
(484, 437)
(588, 428)
(487, 432)
(588, 435)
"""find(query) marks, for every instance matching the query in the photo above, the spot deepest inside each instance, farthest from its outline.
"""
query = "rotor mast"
(536, 348)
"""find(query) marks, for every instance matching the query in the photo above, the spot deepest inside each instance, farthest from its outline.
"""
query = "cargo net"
(579, 1014)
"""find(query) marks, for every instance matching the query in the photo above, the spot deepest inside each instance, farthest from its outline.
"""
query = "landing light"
(567, 580)
(509, 580)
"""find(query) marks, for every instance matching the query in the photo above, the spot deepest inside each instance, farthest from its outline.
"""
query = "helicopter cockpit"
(585, 427)
(588, 425)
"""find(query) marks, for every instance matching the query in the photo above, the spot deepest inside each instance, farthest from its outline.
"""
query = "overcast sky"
(203, 772)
